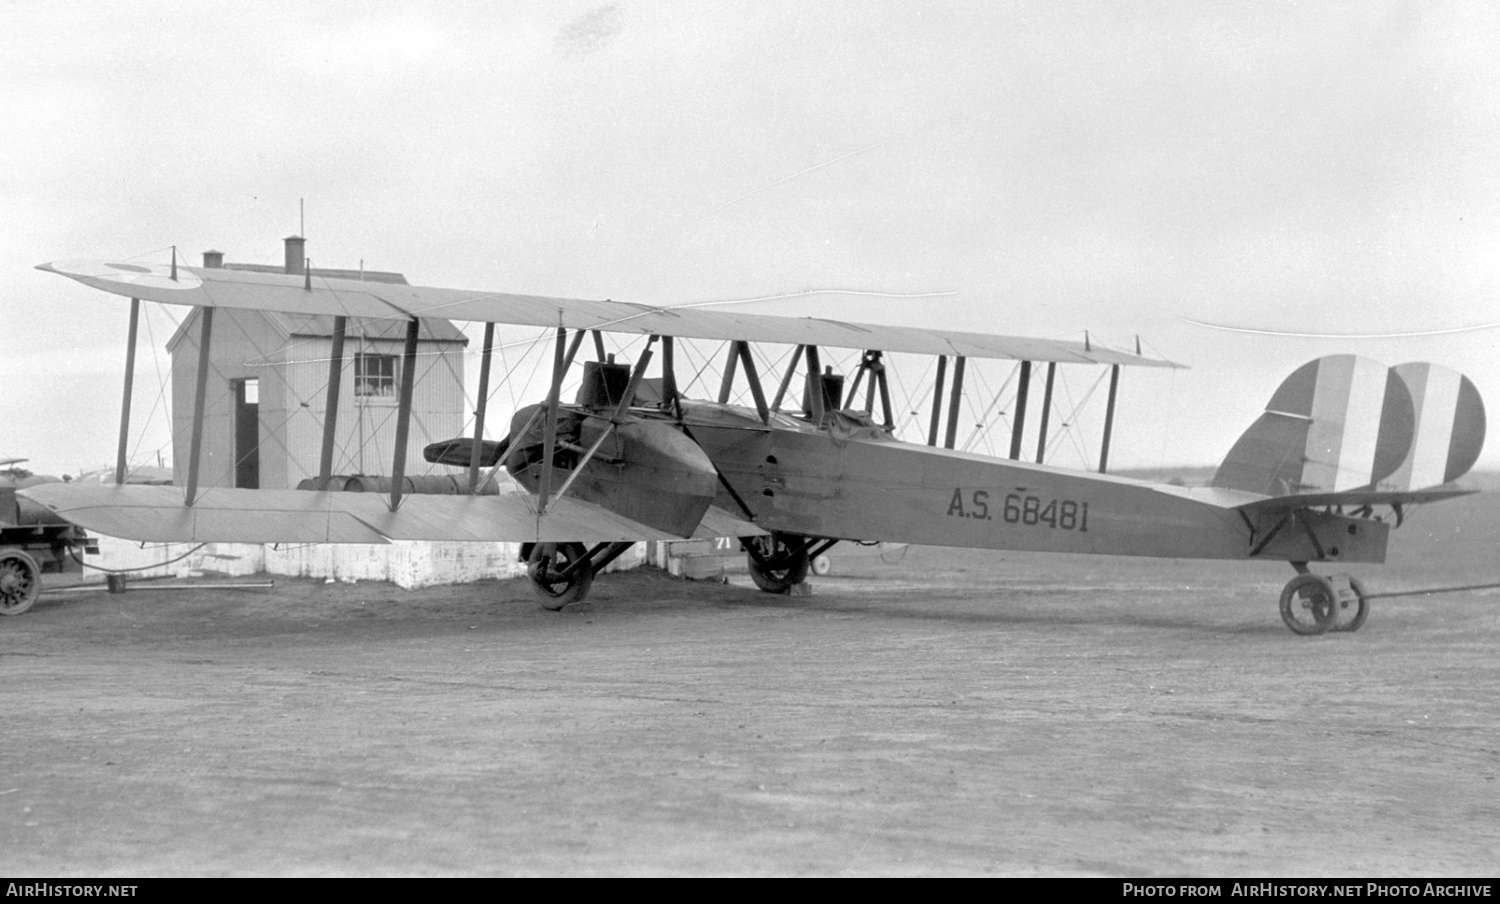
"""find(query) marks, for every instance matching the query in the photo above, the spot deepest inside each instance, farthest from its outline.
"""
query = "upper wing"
(353, 298)
(219, 515)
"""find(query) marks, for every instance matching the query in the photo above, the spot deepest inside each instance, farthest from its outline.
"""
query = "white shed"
(267, 390)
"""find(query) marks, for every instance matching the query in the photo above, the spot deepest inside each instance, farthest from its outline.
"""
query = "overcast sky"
(1118, 168)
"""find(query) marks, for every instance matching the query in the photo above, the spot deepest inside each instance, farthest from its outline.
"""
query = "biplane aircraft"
(1345, 446)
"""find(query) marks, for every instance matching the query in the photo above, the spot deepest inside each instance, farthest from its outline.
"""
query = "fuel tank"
(16, 512)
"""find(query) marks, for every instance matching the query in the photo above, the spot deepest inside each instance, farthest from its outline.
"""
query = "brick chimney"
(296, 253)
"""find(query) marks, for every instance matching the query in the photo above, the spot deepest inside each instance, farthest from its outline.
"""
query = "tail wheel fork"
(1314, 603)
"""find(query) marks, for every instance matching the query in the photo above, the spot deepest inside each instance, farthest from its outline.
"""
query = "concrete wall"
(407, 564)
(695, 560)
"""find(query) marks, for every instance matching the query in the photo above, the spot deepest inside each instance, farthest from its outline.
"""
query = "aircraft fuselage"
(849, 479)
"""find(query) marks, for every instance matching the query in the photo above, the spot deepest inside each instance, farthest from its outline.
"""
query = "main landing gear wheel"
(1309, 604)
(782, 562)
(20, 582)
(552, 589)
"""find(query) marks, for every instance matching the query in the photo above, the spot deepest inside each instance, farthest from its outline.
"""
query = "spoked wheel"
(1309, 604)
(782, 562)
(552, 587)
(1353, 607)
(20, 582)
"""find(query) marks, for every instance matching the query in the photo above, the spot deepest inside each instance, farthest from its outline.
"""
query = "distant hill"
(1487, 481)
(1185, 476)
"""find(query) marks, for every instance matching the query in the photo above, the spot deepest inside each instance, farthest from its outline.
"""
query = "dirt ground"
(947, 713)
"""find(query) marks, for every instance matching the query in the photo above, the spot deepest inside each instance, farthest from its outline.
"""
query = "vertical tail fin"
(1347, 423)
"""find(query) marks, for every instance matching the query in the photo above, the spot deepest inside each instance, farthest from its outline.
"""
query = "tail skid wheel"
(551, 589)
(1353, 607)
(782, 563)
(1309, 604)
(20, 581)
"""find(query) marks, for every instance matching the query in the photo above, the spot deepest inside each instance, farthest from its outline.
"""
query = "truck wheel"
(20, 581)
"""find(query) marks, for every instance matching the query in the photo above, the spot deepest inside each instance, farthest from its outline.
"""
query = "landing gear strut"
(560, 573)
(776, 562)
(1315, 603)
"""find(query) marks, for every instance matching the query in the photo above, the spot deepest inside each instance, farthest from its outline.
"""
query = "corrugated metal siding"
(293, 377)
(243, 344)
(367, 427)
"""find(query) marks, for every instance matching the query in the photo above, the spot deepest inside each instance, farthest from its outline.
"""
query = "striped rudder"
(1449, 432)
(1338, 423)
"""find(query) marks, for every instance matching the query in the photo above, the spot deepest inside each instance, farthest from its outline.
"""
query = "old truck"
(33, 541)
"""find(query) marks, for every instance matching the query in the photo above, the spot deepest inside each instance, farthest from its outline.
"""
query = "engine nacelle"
(647, 471)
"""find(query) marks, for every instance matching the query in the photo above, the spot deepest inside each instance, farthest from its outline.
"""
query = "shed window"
(374, 376)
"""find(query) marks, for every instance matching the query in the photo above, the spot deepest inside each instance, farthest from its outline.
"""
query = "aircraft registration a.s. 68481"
(1345, 445)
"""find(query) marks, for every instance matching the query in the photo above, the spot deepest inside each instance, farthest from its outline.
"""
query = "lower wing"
(157, 514)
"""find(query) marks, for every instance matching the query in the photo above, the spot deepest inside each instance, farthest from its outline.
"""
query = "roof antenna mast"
(302, 231)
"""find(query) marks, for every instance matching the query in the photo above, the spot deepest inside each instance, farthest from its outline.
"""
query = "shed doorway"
(246, 433)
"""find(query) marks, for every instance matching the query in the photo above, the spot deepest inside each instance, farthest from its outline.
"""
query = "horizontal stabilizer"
(156, 514)
(1352, 499)
(1344, 423)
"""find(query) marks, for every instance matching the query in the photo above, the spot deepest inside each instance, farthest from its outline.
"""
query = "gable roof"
(381, 276)
(320, 326)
